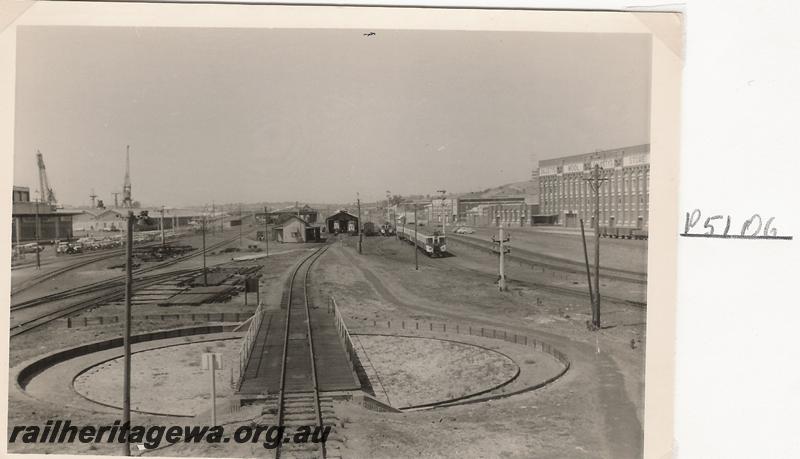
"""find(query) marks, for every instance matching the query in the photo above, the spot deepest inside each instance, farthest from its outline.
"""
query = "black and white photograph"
(343, 241)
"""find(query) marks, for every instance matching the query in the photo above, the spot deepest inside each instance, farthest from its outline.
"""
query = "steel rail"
(556, 264)
(113, 282)
(282, 386)
(36, 322)
(79, 261)
(317, 408)
(117, 292)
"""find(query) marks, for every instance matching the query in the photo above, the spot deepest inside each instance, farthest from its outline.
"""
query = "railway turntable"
(297, 349)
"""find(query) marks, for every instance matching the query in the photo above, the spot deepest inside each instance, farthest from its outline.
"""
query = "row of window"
(625, 184)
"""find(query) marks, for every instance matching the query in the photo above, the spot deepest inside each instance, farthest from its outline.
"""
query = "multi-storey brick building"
(565, 194)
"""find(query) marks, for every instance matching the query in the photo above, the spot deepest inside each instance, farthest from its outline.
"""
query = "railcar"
(369, 229)
(432, 244)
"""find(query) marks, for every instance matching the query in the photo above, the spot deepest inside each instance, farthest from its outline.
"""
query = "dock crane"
(48, 195)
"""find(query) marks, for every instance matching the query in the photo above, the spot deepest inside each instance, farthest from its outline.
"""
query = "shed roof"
(285, 219)
(340, 214)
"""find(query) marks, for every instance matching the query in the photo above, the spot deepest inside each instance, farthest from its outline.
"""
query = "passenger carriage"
(432, 244)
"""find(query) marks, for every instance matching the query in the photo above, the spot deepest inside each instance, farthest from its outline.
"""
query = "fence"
(86, 321)
(248, 341)
(472, 330)
(344, 334)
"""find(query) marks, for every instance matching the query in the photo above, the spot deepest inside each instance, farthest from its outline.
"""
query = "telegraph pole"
(502, 282)
(405, 217)
(394, 222)
(444, 214)
(266, 230)
(588, 271)
(416, 227)
(241, 224)
(36, 229)
(595, 182)
(360, 238)
(205, 276)
(163, 242)
(213, 215)
(126, 339)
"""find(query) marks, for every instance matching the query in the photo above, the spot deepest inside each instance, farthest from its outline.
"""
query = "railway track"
(113, 282)
(541, 286)
(106, 291)
(79, 263)
(554, 263)
(299, 402)
(99, 300)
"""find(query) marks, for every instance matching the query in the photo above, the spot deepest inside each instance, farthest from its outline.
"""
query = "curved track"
(104, 292)
(98, 300)
(298, 399)
(113, 282)
(78, 262)
(553, 263)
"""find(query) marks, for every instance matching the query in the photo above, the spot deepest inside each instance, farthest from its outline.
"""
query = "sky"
(255, 115)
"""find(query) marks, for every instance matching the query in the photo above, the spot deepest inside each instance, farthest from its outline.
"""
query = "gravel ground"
(628, 254)
(593, 411)
(168, 380)
(414, 371)
(27, 411)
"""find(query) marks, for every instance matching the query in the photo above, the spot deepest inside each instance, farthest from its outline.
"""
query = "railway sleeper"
(304, 414)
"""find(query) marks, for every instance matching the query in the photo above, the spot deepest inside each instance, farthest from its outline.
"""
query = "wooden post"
(126, 338)
(502, 282)
(588, 271)
(416, 226)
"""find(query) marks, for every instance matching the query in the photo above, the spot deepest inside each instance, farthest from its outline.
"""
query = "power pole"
(444, 214)
(595, 181)
(588, 271)
(241, 223)
(205, 276)
(358, 225)
(163, 241)
(213, 215)
(126, 339)
(416, 228)
(405, 217)
(266, 230)
(36, 229)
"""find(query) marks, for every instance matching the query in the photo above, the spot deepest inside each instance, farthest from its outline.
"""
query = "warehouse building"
(506, 210)
(91, 221)
(28, 217)
(566, 196)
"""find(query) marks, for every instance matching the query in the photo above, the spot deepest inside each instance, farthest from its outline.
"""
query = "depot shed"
(342, 222)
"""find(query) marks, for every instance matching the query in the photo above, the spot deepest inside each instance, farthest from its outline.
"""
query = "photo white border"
(667, 62)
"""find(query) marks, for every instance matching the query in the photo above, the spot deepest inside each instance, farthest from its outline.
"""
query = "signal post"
(502, 249)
